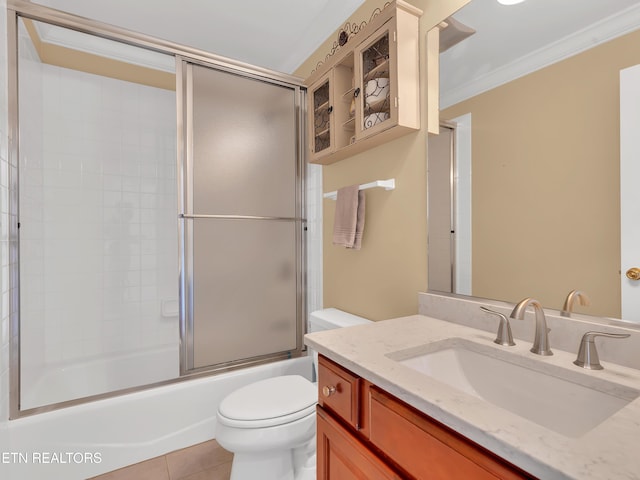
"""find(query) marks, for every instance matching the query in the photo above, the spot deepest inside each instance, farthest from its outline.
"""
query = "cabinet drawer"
(427, 449)
(338, 390)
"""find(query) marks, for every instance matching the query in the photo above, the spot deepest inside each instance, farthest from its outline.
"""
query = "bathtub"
(68, 380)
(93, 438)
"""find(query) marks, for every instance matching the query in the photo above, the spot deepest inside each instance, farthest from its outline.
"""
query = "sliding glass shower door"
(122, 259)
(96, 194)
(242, 219)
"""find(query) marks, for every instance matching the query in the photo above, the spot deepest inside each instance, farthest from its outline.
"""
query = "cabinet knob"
(633, 273)
(330, 109)
(328, 390)
(356, 92)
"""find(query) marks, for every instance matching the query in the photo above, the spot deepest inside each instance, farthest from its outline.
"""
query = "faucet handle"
(504, 336)
(587, 353)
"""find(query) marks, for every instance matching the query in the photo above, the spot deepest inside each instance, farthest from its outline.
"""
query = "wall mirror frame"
(545, 148)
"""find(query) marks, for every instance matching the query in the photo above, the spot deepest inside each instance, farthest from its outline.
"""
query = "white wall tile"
(314, 238)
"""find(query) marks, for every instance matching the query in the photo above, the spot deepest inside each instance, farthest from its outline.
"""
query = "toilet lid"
(272, 401)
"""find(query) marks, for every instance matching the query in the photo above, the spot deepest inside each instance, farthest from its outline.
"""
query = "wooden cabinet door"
(428, 450)
(341, 456)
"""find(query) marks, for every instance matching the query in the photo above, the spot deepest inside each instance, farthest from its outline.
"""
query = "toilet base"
(265, 466)
(296, 464)
(307, 471)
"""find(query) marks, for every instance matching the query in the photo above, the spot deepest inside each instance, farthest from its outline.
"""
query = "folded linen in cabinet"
(348, 224)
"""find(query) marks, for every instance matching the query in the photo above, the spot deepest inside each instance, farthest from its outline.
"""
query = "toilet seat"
(270, 402)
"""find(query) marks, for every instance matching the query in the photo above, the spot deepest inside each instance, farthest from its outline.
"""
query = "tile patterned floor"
(205, 461)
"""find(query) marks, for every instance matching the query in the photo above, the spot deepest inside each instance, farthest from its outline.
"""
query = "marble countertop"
(611, 450)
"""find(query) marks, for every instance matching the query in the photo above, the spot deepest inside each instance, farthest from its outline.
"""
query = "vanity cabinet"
(364, 432)
(343, 456)
(368, 91)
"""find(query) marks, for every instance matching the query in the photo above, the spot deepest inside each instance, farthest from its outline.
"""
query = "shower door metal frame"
(186, 215)
(21, 8)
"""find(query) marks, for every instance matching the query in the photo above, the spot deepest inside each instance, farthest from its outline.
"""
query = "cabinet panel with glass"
(373, 87)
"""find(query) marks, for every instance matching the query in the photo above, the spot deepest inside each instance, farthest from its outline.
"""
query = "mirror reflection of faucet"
(541, 337)
(571, 297)
(504, 336)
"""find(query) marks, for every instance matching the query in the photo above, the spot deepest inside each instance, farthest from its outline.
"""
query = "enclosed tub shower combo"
(157, 232)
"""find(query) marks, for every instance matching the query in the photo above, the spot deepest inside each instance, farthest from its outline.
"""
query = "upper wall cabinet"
(368, 92)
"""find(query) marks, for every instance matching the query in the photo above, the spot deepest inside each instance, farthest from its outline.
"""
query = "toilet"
(270, 425)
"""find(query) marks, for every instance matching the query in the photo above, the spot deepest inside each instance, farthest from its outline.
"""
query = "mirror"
(540, 81)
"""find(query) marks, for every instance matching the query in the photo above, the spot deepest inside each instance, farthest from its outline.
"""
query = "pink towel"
(349, 219)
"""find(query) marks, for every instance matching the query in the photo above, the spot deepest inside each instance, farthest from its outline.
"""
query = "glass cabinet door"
(345, 107)
(376, 83)
(321, 105)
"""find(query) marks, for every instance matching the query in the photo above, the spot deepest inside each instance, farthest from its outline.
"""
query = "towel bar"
(386, 184)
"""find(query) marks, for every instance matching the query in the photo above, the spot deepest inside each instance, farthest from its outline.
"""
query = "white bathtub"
(97, 437)
(70, 380)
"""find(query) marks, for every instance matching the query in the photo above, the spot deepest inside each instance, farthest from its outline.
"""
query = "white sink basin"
(565, 405)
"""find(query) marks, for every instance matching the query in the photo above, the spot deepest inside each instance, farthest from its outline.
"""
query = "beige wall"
(383, 278)
(546, 181)
(96, 64)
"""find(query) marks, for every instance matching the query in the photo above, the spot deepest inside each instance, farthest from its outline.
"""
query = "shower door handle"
(240, 217)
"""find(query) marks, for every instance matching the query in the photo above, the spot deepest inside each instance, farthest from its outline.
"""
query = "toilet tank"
(328, 319)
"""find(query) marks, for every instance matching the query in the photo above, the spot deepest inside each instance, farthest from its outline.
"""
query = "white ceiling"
(275, 34)
(511, 41)
(280, 34)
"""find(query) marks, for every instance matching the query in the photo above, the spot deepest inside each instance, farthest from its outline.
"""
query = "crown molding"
(603, 31)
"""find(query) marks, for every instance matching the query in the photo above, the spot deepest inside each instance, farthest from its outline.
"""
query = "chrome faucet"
(568, 303)
(541, 339)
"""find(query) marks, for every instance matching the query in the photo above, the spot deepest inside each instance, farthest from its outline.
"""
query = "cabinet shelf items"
(369, 88)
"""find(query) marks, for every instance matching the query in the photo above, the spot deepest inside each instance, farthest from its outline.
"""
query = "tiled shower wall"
(99, 261)
(314, 237)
